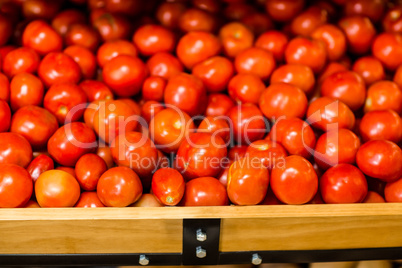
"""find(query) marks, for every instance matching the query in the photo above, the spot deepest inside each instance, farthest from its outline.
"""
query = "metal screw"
(200, 252)
(201, 236)
(144, 260)
(256, 259)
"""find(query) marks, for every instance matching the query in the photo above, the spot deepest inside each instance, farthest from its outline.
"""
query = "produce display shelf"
(168, 235)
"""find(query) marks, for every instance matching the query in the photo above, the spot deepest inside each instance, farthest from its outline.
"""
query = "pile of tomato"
(200, 102)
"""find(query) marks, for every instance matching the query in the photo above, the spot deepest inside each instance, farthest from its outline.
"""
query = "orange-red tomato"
(119, 187)
(297, 75)
(84, 58)
(79, 34)
(245, 88)
(147, 200)
(14, 149)
(153, 88)
(359, 32)
(164, 65)
(373, 197)
(370, 69)
(151, 39)
(218, 105)
(114, 48)
(392, 21)
(57, 188)
(393, 191)
(309, 20)
(41, 37)
(150, 108)
(169, 13)
(194, 19)
(255, 61)
(383, 95)
(89, 200)
(5, 116)
(104, 152)
(381, 125)
(25, 89)
(269, 152)
(15, 186)
(334, 39)
(273, 41)
(205, 191)
(284, 10)
(235, 37)
(168, 186)
(96, 90)
(215, 126)
(112, 26)
(374, 10)
(20, 60)
(88, 169)
(387, 47)
(62, 21)
(39, 165)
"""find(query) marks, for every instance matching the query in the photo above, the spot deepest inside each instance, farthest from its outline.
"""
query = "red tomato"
(20, 60)
(334, 39)
(392, 21)
(381, 125)
(151, 39)
(89, 200)
(84, 58)
(205, 191)
(237, 152)
(168, 186)
(370, 69)
(112, 26)
(256, 61)
(215, 126)
(200, 155)
(119, 187)
(235, 37)
(380, 159)
(164, 65)
(40, 9)
(335, 147)
(88, 169)
(169, 13)
(393, 191)
(387, 47)
(80, 34)
(96, 90)
(247, 181)
(14, 149)
(218, 105)
(269, 152)
(114, 48)
(70, 142)
(15, 186)
(309, 20)
(69, 170)
(374, 10)
(186, 92)
(283, 100)
(31, 204)
(384, 95)
(41, 37)
(284, 10)
(332, 67)
(194, 19)
(105, 153)
(295, 135)
(147, 200)
(300, 76)
(245, 88)
(39, 165)
(258, 22)
(25, 89)
(36, 124)
(124, 75)
(150, 108)
(359, 32)
(57, 188)
(373, 197)
(342, 184)
(294, 174)
(274, 42)
(62, 21)
(5, 116)
(153, 88)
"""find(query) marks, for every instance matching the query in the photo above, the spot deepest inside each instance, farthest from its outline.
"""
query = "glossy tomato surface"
(15, 186)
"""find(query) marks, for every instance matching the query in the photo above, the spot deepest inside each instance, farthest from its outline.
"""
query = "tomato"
(84, 58)
(79, 34)
(235, 37)
(215, 126)
(20, 60)
(104, 152)
(150, 108)
(69, 170)
(137, 151)
(15, 186)
(63, 100)
(374, 10)
(207, 5)
(124, 75)
(370, 69)
(89, 200)
(112, 118)
(195, 47)
(247, 122)
(62, 21)
(297, 75)
(257, 22)
(41, 37)
(237, 10)
(114, 48)
(269, 152)
(334, 39)
(312, 53)
(237, 152)
(164, 65)
(25, 89)
(168, 186)
(392, 21)
(57, 67)
(295, 135)
(284, 10)
(205, 191)
(39, 165)
(218, 105)
(70, 142)
(14, 149)
(247, 182)
(342, 184)
(373, 197)
(57, 188)
(381, 125)
(335, 147)
(255, 61)
(153, 88)
(332, 67)
(96, 90)
(35, 124)
(346, 86)
(31, 204)
(283, 100)
(380, 159)
(40, 9)
(194, 19)
(112, 26)
(393, 191)
(359, 32)
(4, 88)
(215, 72)
(88, 169)
(274, 42)
(147, 200)
(294, 174)
(128, 7)
(119, 187)
(244, 88)
(151, 39)
(384, 95)
(5, 116)
(187, 93)
(387, 47)
(309, 20)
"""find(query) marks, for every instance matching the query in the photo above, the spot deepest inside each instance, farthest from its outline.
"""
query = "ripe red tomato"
(153, 88)
(151, 39)
(293, 174)
(5, 116)
(35, 124)
(41, 37)
(235, 37)
(381, 125)
(69, 170)
(114, 48)
(342, 184)
(15, 186)
(62, 21)
(244, 88)
(309, 20)
(393, 191)
(82, 35)
(164, 65)
(124, 75)
(105, 153)
(359, 32)
(284, 10)
(119, 187)
(84, 58)
(392, 21)
(25, 89)
(380, 159)
(14, 149)
(255, 61)
(373, 197)
(70, 142)
(273, 41)
(112, 26)
(300, 76)
(40, 9)
(215, 126)
(194, 19)
(88, 169)
(96, 90)
(218, 105)
(20, 60)
(247, 181)
(147, 200)
(269, 152)
(168, 186)
(374, 10)
(89, 200)
(384, 95)
(150, 108)
(334, 40)
(205, 191)
(57, 188)
(39, 165)
(169, 13)
(387, 47)
(370, 69)
(31, 204)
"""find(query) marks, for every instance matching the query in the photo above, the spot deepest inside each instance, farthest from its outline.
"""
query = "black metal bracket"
(201, 241)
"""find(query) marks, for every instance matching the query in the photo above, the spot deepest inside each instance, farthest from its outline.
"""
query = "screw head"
(143, 260)
(200, 252)
(201, 236)
(256, 259)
